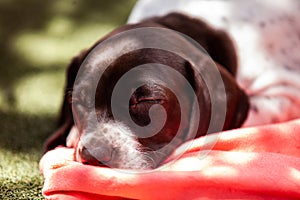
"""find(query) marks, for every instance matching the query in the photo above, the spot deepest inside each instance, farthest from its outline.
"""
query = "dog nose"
(99, 156)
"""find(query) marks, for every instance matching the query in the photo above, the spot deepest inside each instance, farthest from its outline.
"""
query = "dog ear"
(216, 42)
(65, 120)
(237, 102)
(235, 99)
(221, 49)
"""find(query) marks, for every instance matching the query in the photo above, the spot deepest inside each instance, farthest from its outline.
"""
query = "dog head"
(158, 115)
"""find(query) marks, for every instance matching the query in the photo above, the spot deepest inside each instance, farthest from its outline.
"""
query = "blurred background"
(38, 40)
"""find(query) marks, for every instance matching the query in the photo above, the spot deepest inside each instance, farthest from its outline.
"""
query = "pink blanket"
(248, 163)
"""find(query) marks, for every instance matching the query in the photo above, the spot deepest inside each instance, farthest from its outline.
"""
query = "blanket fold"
(248, 163)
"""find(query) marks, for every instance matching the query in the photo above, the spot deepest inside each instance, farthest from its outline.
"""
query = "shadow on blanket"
(248, 163)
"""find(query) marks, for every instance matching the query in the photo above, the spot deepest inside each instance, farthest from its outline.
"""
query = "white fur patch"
(115, 140)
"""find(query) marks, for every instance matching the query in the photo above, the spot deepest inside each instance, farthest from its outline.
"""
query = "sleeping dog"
(105, 141)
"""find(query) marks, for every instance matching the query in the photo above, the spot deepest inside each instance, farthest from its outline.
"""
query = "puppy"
(100, 139)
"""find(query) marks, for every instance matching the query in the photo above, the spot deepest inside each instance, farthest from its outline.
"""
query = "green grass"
(38, 39)
(21, 140)
(20, 178)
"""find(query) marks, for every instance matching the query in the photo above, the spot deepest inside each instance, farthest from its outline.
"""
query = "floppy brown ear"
(237, 102)
(221, 49)
(216, 42)
(65, 120)
(233, 105)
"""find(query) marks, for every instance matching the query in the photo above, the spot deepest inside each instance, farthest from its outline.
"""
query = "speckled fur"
(123, 146)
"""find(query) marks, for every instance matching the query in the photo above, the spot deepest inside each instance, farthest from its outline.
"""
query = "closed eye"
(147, 95)
(151, 100)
